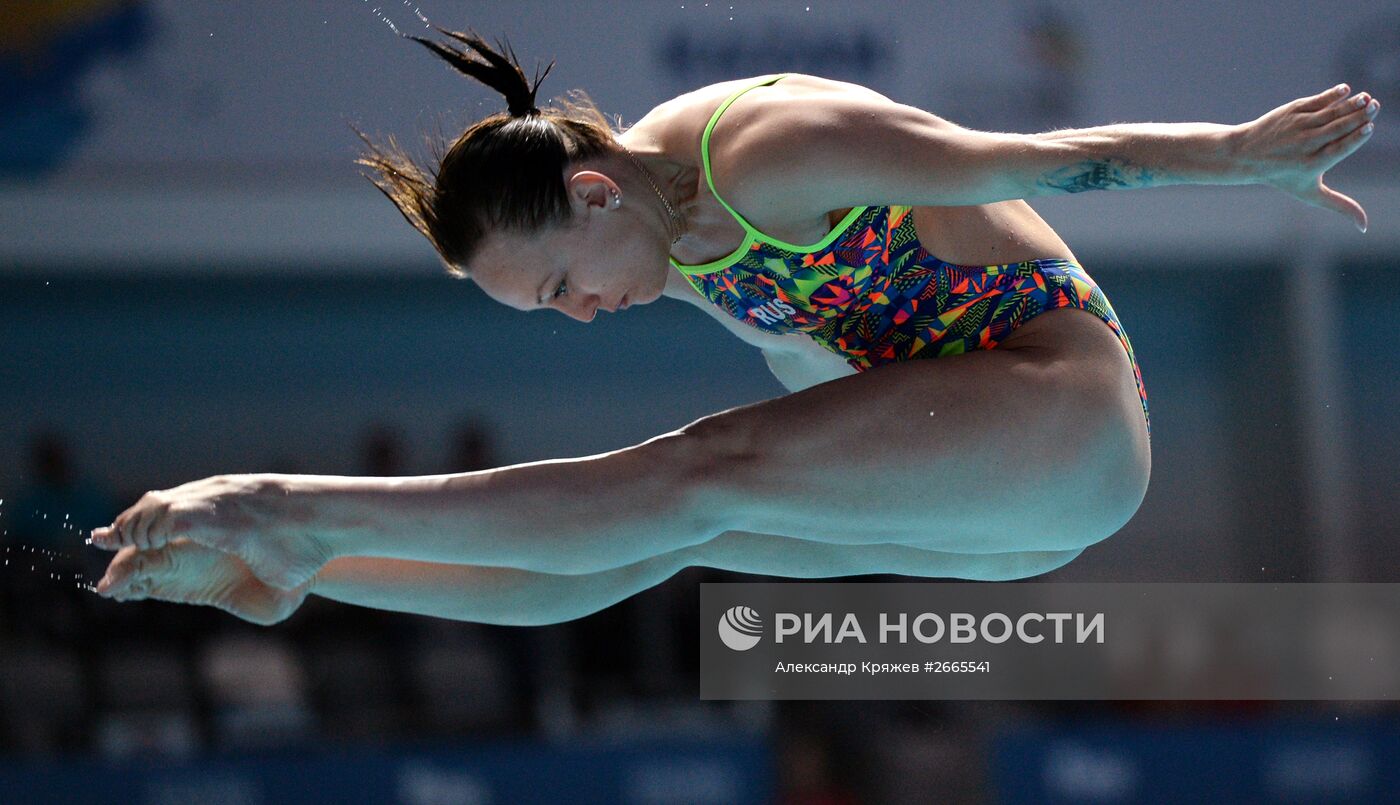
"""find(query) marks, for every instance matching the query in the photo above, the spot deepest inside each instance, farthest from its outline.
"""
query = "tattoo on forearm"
(1096, 174)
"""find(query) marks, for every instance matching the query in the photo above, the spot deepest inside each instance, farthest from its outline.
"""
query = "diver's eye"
(559, 291)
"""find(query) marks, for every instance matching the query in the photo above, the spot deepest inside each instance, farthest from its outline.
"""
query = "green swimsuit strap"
(705, 146)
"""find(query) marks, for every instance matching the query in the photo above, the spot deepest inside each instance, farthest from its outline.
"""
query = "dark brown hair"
(504, 172)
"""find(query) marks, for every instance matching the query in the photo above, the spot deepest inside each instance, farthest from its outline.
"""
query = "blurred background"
(195, 279)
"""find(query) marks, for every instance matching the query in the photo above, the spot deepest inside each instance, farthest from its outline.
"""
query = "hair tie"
(518, 108)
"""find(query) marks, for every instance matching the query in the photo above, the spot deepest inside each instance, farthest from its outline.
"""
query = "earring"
(617, 199)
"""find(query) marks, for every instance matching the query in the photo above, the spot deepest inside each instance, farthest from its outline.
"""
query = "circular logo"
(740, 628)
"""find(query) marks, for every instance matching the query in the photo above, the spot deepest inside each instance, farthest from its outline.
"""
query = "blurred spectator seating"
(148, 702)
(257, 689)
(355, 690)
(473, 447)
(58, 505)
(462, 680)
(43, 700)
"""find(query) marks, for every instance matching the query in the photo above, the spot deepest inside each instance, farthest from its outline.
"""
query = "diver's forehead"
(512, 273)
(509, 250)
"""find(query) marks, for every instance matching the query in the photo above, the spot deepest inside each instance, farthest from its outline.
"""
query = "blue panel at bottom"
(1266, 761)
(738, 771)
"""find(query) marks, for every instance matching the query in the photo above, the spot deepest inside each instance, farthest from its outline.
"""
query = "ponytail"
(497, 71)
(504, 172)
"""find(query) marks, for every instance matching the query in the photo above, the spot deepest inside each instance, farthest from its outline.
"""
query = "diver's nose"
(595, 304)
(585, 311)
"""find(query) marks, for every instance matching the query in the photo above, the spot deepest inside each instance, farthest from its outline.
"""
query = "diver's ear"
(594, 189)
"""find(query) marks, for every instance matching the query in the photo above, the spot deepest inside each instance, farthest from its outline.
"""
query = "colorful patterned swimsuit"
(871, 294)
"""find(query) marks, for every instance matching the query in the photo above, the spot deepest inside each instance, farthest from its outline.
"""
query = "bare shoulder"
(755, 148)
(680, 122)
(796, 84)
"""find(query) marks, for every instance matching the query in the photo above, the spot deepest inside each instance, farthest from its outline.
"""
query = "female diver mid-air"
(1020, 441)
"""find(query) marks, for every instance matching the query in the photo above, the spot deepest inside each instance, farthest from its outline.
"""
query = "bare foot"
(248, 516)
(185, 572)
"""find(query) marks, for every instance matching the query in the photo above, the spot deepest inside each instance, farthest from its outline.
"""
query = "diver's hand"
(249, 516)
(1292, 146)
(186, 572)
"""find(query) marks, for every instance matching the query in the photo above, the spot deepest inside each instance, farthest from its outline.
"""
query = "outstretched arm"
(1288, 148)
(860, 148)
